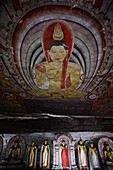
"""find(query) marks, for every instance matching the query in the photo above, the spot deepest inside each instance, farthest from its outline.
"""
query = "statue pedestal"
(12, 165)
(109, 167)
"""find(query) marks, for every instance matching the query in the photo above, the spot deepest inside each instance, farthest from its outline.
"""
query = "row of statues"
(45, 155)
(14, 155)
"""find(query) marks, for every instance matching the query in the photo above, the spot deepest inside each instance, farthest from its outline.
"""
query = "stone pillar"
(55, 156)
(72, 157)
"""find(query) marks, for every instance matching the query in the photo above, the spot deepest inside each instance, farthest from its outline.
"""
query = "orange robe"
(64, 157)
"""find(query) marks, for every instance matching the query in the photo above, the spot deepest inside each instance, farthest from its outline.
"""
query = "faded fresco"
(58, 77)
(65, 55)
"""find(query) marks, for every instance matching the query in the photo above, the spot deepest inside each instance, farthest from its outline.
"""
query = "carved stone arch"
(21, 142)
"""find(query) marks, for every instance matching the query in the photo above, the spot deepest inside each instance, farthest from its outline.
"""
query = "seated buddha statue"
(14, 154)
(108, 154)
(57, 77)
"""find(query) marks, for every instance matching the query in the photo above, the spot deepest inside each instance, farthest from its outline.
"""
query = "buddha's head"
(63, 142)
(91, 145)
(57, 41)
(107, 147)
(45, 142)
(15, 144)
(32, 143)
(80, 141)
(57, 51)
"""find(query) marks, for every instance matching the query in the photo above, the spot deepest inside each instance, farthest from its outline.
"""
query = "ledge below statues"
(11, 165)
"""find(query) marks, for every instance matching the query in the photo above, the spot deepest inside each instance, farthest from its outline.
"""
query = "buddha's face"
(15, 144)
(91, 145)
(107, 147)
(81, 142)
(45, 142)
(63, 143)
(57, 53)
(32, 143)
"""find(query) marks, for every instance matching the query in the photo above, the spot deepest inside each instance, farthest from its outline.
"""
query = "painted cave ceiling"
(56, 63)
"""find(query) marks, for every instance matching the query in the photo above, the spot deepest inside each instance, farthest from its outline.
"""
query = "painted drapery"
(64, 155)
(93, 158)
(45, 156)
(32, 156)
(82, 155)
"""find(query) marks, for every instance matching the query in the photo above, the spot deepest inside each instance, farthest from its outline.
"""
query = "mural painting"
(11, 94)
(58, 56)
(58, 77)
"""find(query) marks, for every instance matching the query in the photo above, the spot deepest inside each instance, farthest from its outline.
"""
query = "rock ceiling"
(76, 93)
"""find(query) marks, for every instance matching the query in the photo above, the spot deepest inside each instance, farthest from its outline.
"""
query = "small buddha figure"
(93, 158)
(82, 154)
(64, 154)
(45, 155)
(15, 151)
(14, 154)
(32, 155)
(108, 154)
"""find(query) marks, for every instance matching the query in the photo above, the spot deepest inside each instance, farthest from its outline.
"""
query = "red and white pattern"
(56, 150)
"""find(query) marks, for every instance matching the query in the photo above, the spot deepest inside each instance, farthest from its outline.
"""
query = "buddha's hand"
(40, 72)
(41, 69)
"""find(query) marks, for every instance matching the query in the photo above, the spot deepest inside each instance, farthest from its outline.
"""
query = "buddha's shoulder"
(73, 65)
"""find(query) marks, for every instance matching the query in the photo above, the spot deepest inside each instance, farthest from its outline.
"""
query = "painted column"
(55, 156)
(72, 157)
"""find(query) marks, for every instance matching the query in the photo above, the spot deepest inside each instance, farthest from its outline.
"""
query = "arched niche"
(101, 146)
(21, 143)
(57, 153)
